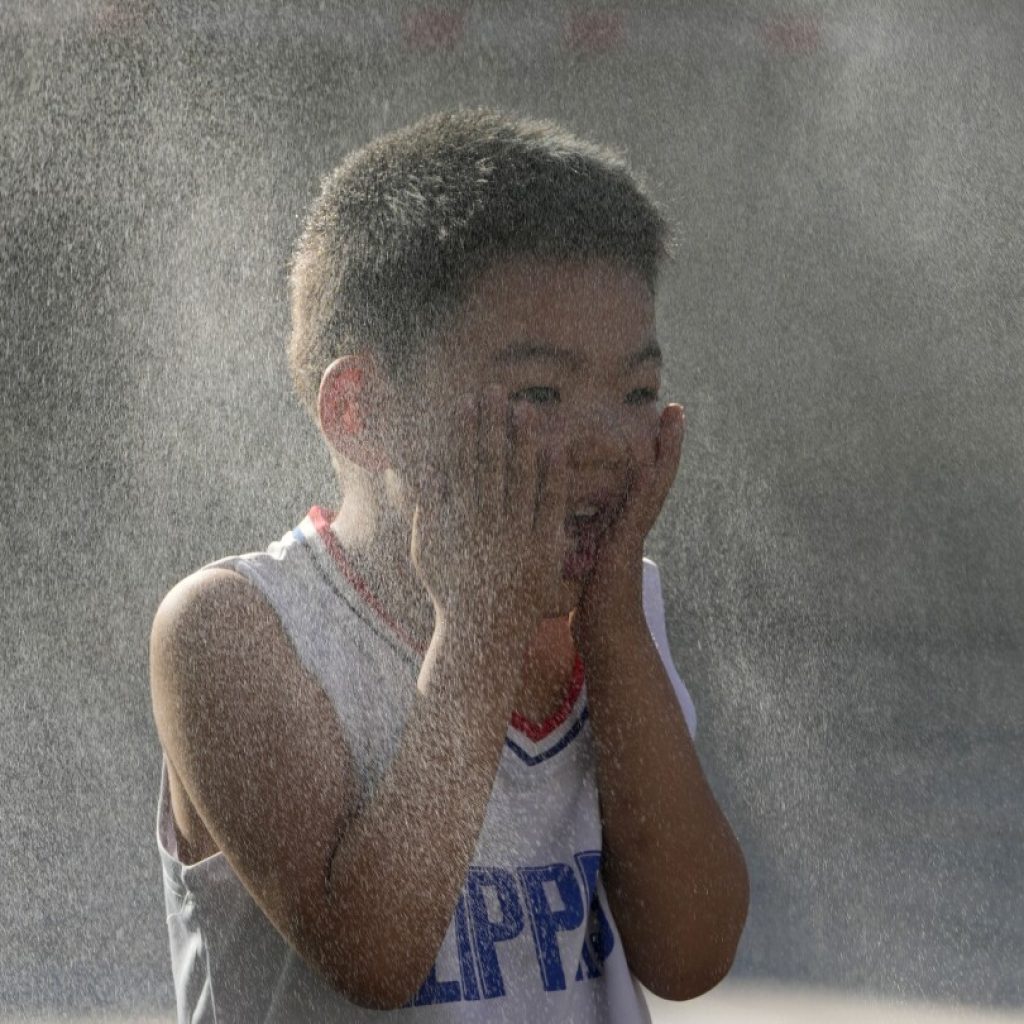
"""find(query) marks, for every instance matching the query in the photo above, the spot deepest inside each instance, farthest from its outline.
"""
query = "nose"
(596, 439)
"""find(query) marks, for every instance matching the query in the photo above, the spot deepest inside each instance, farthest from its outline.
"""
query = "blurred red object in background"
(432, 28)
(792, 35)
(595, 31)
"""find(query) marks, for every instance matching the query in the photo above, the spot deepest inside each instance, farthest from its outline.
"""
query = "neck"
(378, 548)
(377, 545)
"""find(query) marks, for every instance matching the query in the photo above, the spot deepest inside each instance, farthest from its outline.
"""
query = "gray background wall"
(843, 552)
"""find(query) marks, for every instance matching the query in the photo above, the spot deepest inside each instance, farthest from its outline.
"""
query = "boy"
(429, 755)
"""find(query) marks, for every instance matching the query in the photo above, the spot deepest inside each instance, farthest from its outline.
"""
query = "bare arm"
(403, 861)
(674, 872)
(365, 894)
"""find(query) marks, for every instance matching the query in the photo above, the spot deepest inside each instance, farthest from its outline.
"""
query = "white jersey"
(531, 939)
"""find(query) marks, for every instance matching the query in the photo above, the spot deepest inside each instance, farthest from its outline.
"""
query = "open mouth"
(583, 531)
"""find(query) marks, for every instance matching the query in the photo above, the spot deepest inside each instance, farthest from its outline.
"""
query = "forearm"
(674, 872)
(403, 861)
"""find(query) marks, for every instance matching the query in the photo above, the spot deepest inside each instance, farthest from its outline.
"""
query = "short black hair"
(407, 223)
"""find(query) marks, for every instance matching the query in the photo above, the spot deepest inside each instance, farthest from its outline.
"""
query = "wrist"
(608, 600)
(495, 634)
(473, 677)
(598, 628)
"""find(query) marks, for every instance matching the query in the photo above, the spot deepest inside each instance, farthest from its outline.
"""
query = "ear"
(347, 391)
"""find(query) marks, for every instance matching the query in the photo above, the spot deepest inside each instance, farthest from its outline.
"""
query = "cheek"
(643, 435)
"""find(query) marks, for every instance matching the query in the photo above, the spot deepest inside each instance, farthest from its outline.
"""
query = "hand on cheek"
(619, 564)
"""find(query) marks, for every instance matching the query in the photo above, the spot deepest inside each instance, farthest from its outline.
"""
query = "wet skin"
(576, 341)
(572, 340)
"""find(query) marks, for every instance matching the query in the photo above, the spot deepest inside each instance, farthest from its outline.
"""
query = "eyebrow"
(524, 351)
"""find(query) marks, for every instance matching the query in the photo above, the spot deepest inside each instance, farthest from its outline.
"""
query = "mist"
(842, 553)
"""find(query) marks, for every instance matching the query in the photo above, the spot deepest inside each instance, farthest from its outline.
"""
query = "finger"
(671, 430)
(522, 475)
(492, 453)
(554, 493)
(427, 495)
(435, 467)
(669, 449)
(462, 446)
(429, 501)
(651, 482)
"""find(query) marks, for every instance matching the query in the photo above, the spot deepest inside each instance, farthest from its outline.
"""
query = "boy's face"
(576, 341)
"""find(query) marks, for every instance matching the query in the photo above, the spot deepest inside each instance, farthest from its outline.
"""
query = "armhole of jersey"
(251, 569)
(654, 609)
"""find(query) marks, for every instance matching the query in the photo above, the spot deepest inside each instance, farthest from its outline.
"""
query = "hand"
(617, 576)
(488, 532)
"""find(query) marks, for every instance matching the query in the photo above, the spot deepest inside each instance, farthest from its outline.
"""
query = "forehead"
(596, 310)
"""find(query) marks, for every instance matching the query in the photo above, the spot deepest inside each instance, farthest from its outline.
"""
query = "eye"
(540, 395)
(641, 396)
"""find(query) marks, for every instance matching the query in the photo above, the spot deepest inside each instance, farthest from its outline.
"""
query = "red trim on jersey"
(322, 519)
(537, 732)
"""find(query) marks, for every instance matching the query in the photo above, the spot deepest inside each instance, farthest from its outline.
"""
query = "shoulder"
(202, 602)
(213, 616)
(652, 597)
(221, 665)
(654, 610)
(207, 633)
(255, 746)
(223, 668)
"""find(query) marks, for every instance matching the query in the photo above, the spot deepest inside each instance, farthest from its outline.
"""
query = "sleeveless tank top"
(531, 938)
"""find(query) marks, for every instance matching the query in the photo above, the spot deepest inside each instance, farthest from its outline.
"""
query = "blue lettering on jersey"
(433, 991)
(546, 922)
(467, 961)
(600, 940)
(479, 928)
(488, 932)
